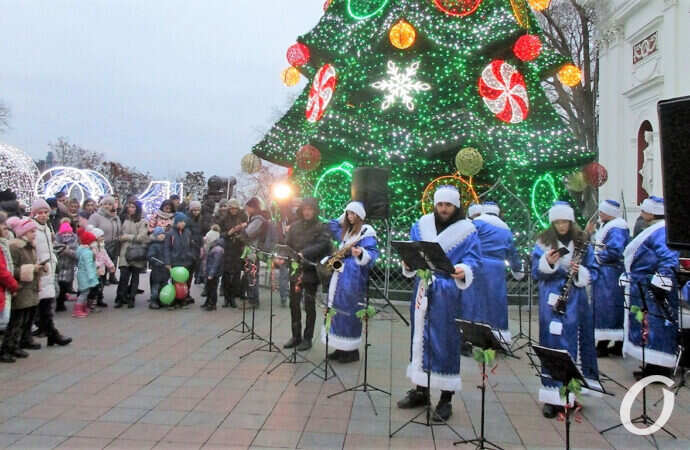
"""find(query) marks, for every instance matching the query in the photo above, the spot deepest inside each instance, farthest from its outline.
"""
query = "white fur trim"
(635, 244)
(408, 273)
(545, 267)
(650, 356)
(365, 232)
(475, 210)
(583, 277)
(517, 275)
(552, 396)
(332, 287)
(651, 207)
(491, 209)
(561, 212)
(662, 282)
(608, 334)
(364, 260)
(609, 209)
(469, 276)
(450, 238)
(447, 195)
(493, 220)
(343, 343)
(590, 392)
(438, 380)
(602, 232)
(357, 208)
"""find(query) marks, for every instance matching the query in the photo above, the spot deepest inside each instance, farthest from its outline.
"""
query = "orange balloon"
(402, 35)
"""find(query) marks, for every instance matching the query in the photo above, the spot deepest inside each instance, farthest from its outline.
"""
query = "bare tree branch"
(4, 118)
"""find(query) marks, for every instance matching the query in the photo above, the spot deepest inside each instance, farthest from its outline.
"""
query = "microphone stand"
(251, 335)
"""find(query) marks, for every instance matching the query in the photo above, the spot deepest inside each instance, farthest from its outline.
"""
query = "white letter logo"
(629, 398)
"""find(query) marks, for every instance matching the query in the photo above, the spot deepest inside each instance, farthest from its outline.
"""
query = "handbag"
(113, 249)
(136, 252)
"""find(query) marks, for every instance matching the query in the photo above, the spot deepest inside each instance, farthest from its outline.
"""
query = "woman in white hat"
(552, 265)
(348, 286)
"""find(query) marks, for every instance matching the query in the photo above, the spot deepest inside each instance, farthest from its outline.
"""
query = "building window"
(644, 161)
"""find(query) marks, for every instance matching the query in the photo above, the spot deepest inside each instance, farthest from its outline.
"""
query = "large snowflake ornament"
(400, 85)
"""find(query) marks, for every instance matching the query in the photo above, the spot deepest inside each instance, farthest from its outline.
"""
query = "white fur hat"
(447, 194)
(357, 208)
(475, 209)
(610, 207)
(96, 232)
(561, 211)
(491, 208)
(653, 205)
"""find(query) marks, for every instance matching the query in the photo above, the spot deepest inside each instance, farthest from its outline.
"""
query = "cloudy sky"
(163, 85)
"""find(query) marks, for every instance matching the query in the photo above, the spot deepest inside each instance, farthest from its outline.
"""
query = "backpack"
(270, 236)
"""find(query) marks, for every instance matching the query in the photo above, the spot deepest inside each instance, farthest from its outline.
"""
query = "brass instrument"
(579, 252)
(335, 261)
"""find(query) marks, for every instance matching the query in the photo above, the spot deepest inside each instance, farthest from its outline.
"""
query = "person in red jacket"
(8, 285)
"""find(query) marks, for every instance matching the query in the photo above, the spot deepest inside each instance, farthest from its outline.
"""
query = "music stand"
(482, 336)
(562, 368)
(328, 371)
(417, 255)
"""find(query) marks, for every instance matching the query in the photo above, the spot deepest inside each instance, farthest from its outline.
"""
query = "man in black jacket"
(194, 225)
(311, 239)
(231, 225)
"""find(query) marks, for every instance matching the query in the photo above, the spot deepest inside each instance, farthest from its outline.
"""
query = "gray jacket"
(110, 224)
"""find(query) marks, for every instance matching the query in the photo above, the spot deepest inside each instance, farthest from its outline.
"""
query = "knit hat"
(475, 209)
(194, 204)
(38, 205)
(447, 194)
(23, 226)
(254, 203)
(180, 217)
(233, 203)
(158, 230)
(561, 211)
(12, 221)
(212, 236)
(610, 207)
(108, 199)
(653, 205)
(357, 208)
(65, 228)
(86, 238)
(52, 202)
(491, 208)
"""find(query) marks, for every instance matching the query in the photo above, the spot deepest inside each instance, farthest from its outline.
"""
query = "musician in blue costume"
(648, 261)
(347, 288)
(608, 297)
(574, 330)
(435, 345)
(489, 287)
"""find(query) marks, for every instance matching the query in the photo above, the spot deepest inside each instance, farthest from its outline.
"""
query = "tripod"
(521, 334)
(268, 346)
(643, 418)
(251, 334)
(328, 371)
(365, 386)
(242, 325)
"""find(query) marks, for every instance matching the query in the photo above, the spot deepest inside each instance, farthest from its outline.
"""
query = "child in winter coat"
(87, 274)
(66, 244)
(8, 284)
(159, 273)
(104, 265)
(214, 269)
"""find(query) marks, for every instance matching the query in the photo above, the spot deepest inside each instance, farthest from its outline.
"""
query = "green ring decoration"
(362, 16)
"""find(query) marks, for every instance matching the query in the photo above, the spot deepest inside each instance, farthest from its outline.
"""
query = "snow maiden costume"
(347, 288)
(608, 297)
(574, 330)
(649, 261)
(490, 291)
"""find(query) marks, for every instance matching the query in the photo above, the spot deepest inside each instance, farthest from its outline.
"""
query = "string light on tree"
(570, 75)
(400, 85)
(527, 47)
(402, 35)
(298, 54)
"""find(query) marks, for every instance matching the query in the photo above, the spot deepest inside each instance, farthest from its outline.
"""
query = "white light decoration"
(400, 85)
(90, 183)
(18, 172)
(156, 193)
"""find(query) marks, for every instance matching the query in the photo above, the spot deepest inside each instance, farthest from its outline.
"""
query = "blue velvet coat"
(608, 296)
(436, 345)
(572, 331)
(646, 256)
(489, 289)
(347, 289)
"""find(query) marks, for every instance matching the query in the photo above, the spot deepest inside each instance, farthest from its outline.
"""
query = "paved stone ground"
(157, 379)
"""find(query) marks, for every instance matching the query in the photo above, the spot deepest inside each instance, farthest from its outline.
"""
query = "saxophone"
(578, 253)
(335, 261)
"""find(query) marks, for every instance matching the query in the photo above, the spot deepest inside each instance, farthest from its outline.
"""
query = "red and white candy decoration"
(504, 91)
(321, 92)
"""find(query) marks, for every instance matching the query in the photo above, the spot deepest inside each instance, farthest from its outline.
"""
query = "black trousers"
(212, 291)
(308, 291)
(45, 316)
(232, 284)
(128, 283)
(65, 288)
(20, 321)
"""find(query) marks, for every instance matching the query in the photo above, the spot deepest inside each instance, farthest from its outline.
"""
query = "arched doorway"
(642, 144)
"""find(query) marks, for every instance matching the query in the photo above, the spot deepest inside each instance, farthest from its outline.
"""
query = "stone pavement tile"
(529, 422)
(61, 427)
(212, 373)
(146, 432)
(217, 404)
(321, 440)
(86, 443)
(203, 418)
(166, 445)
(7, 439)
(285, 422)
(274, 438)
(123, 415)
(191, 434)
(83, 413)
(588, 440)
(157, 390)
(630, 441)
(292, 409)
(197, 392)
(241, 420)
(44, 411)
(167, 380)
(11, 408)
(35, 441)
(258, 407)
(86, 388)
(181, 371)
(21, 425)
(331, 412)
(362, 441)
(544, 438)
(371, 427)
(232, 437)
(140, 401)
(136, 380)
(326, 425)
(126, 444)
(103, 430)
(163, 417)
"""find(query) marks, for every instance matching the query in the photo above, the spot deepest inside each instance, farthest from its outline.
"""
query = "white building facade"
(644, 58)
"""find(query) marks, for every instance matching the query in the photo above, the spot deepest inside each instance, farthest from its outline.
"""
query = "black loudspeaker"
(674, 133)
(370, 186)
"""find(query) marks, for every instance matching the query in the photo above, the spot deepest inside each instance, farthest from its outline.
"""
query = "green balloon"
(179, 274)
(167, 294)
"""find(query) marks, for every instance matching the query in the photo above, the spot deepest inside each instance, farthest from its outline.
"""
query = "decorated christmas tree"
(436, 90)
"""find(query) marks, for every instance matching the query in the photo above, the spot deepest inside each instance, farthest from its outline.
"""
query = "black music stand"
(250, 335)
(482, 336)
(420, 255)
(328, 371)
(562, 368)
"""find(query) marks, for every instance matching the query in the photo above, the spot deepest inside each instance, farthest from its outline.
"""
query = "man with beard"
(231, 220)
(106, 219)
(442, 295)
(312, 240)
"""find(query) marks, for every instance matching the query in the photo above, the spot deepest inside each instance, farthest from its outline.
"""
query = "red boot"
(79, 311)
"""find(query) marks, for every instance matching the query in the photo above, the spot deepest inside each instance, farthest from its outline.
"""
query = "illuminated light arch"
(465, 186)
(345, 167)
(56, 179)
(18, 172)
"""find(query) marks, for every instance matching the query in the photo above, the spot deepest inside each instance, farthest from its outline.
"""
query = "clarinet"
(578, 253)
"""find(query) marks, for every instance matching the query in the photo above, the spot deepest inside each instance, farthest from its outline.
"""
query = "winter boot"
(130, 302)
(56, 338)
(118, 302)
(79, 311)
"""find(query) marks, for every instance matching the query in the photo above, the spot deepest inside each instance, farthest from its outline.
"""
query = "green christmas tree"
(406, 84)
